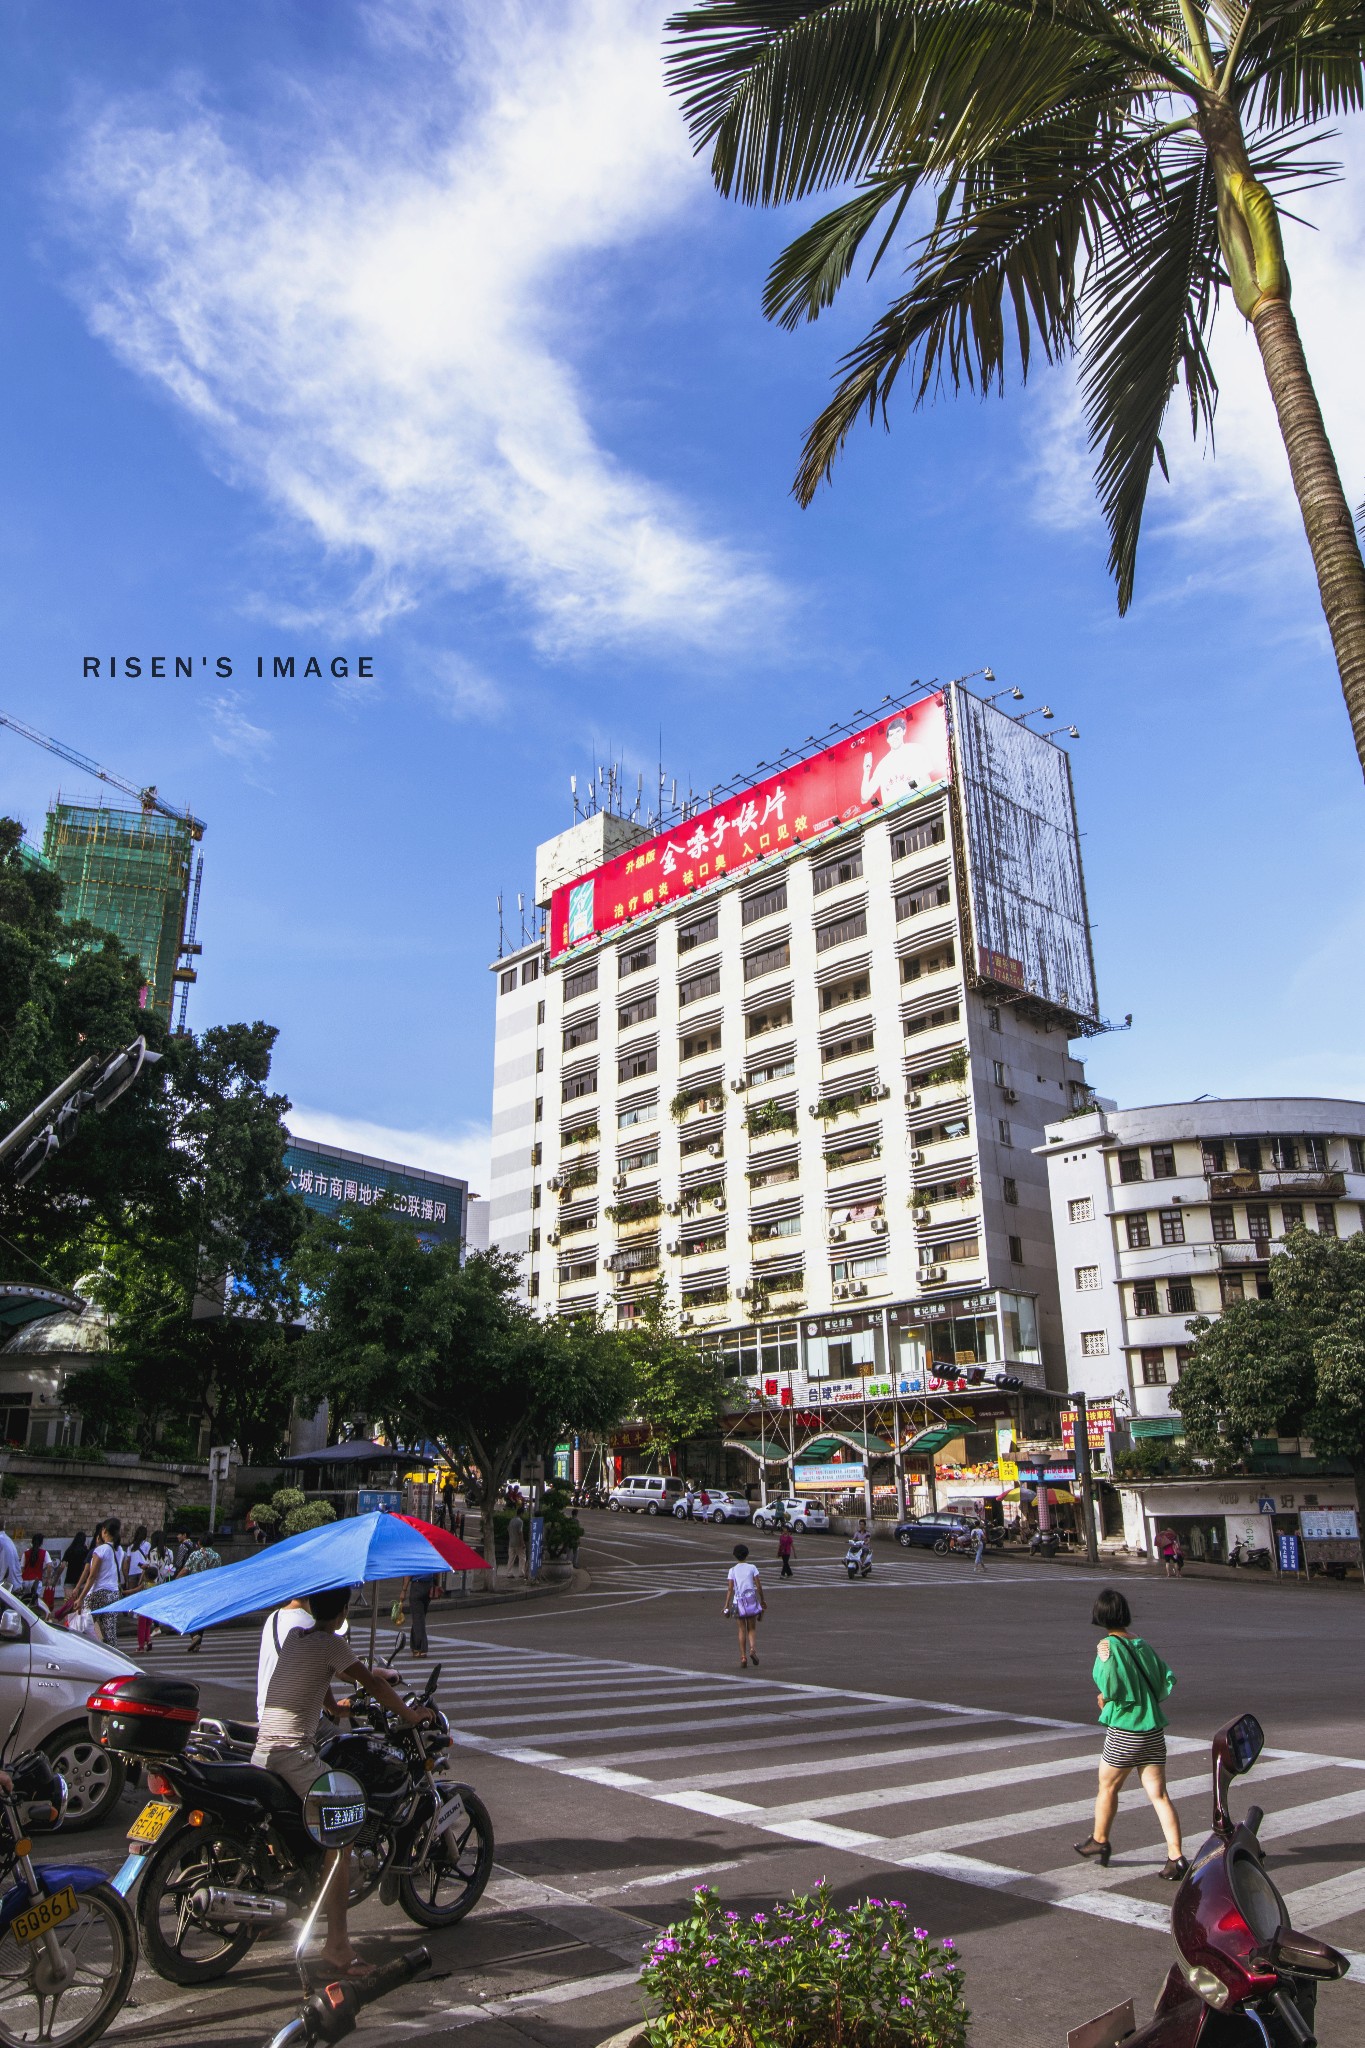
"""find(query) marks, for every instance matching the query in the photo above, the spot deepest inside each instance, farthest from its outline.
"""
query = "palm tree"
(1100, 172)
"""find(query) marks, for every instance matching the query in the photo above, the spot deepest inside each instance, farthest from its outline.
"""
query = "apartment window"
(932, 962)
(1182, 1357)
(644, 1060)
(1139, 1233)
(1249, 1155)
(1232, 1287)
(853, 989)
(645, 1155)
(844, 1048)
(1081, 1209)
(915, 838)
(638, 958)
(845, 867)
(993, 1017)
(1153, 1366)
(581, 984)
(1006, 1134)
(998, 1072)
(530, 971)
(1088, 1279)
(540, 1108)
(507, 980)
(773, 1070)
(1009, 1188)
(841, 931)
(1314, 1153)
(535, 1196)
(1258, 1220)
(1215, 1155)
(1291, 1217)
(1144, 1300)
(1284, 1154)
(768, 961)
(1163, 1162)
(698, 985)
(1180, 1297)
(535, 1239)
(1173, 1226)
(533, 1286)
(765, 903)
(697, 934)
(1327, 1219)
(535, 1155)
(1017, 1250)
(868, 1268)
(1357, 1149)
(698, 1042)
(914, 902)
(1224, 1222)
(540, 1059)
(1094, 1343)
(632, 1113)
(582, 1083)
(582, 1031)
(638, 1012)
(756, 1022)
(1130, 1165)
(929, 1020)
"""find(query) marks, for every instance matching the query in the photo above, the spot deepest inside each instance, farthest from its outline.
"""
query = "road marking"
(1317, 1905)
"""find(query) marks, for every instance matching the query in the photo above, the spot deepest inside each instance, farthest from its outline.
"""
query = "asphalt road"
(925, 1735)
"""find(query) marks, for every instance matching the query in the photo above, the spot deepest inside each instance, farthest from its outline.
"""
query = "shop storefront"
(1210, 1516)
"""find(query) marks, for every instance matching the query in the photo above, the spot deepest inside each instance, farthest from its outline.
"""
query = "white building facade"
(800, 1076)
(1163, 1214)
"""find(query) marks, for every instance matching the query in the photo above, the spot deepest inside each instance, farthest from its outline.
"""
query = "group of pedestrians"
(74, 1585)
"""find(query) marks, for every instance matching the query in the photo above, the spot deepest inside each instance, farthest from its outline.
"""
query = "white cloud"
(464, 1151)
(375, 328)
(234, 734)
(461, 690)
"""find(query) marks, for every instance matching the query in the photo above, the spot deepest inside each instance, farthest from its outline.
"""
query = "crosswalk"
(812, 1572)
(976, 1795)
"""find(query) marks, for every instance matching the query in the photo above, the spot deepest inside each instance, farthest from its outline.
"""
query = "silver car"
(46, 1676)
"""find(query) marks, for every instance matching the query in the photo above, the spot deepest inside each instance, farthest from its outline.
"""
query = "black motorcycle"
(228, 1855)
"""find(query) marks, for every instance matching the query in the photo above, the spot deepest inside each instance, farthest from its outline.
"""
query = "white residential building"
(1166, 1213)
(802, 1079)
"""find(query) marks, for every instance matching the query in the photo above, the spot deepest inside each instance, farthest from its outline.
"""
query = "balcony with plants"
(770, 1119)
(707, 1096)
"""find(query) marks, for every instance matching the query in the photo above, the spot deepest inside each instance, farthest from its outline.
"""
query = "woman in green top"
(1132, 1682)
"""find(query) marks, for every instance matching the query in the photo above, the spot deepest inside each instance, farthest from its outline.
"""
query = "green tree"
(1290, 1366)
(444, 1352)
(1098, 177)
(678, 1385)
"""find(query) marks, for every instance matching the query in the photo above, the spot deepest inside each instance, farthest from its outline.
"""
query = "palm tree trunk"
(1317, 484)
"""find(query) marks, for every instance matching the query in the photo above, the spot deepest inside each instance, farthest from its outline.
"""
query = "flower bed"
(808, 1975)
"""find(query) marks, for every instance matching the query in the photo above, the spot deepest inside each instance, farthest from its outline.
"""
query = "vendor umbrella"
(359, 1551)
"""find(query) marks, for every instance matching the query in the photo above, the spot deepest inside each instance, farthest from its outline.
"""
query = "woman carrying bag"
(1132, 1681)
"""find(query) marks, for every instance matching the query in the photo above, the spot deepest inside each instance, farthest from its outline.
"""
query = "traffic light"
(1008, 1379)
(96, 1091)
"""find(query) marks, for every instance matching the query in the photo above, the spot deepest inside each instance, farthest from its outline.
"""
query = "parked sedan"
(721, 1507)
(931, 1532)
(797, 1514)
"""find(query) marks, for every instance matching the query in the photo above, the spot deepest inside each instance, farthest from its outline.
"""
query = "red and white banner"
(904, 754)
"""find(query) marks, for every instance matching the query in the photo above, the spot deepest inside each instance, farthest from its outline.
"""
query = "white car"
(713, 1505)
(46, 1676)
(797, 1514)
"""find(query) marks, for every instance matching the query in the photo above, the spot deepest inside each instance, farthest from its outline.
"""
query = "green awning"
(930, 1440)
(825, 1447)
(1157, 1425)
(20, 1304)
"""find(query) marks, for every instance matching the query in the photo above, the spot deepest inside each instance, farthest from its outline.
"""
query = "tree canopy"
(679, 1385)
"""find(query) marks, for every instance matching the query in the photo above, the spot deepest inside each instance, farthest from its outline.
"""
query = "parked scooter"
(1241, 1974)
(1249, 1554)
(858, 1558)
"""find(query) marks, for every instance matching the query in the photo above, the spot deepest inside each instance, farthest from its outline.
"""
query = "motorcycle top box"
(143, 1716)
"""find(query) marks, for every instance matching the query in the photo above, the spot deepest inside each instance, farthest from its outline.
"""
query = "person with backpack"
(1132, 1681)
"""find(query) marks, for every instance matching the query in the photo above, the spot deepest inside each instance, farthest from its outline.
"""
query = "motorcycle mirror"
(334, 1811)
(430, 1692)
(1235, 1749)
(1246, 1741)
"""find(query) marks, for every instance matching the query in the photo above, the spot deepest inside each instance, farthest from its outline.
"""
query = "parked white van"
(651, 1493)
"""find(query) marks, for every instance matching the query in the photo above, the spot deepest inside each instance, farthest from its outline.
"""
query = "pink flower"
(921, 1934)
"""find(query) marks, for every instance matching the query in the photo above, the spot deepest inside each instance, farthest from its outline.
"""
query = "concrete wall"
(58, 1496)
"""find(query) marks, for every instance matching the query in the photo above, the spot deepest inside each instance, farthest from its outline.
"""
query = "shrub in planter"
(312, 1515)
(808, 1975)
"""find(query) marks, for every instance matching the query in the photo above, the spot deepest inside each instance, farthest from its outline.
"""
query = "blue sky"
(413, 330)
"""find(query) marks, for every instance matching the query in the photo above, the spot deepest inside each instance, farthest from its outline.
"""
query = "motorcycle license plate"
(44, 1913)
(153, 1821)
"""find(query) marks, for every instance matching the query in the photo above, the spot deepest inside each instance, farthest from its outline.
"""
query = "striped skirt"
(1128, 1749)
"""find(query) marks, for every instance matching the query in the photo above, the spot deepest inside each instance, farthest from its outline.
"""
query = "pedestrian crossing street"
(815, 1570)
(973, 1795)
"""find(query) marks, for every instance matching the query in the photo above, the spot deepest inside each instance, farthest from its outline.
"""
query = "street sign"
(537, 1544)
(1288, 1548)
(1265, 1505)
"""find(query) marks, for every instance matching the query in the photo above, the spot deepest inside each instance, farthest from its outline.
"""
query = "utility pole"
(1081, 1436)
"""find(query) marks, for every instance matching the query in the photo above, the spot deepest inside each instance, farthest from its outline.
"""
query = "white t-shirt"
(279, 1627)
(743, 1578)
(137, 1561)
(308, 1660)
(9, 1560)
(106, 1561)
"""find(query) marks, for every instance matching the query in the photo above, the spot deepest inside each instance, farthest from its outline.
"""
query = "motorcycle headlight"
(1211, 1989)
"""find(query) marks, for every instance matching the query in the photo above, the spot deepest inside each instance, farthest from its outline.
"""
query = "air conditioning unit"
(739, 1085)
(556, 1181)
(927, 1274)
(685, 1320)
(673, 1208)
(609, 1263)
(924, 1216)
(881, 1091)
(912, 1096)
(837, 1233)
(715, 1148)
(880, 1225)
(1010, 1094)
(552, 1237)
(916, 1158)
(840, 1291)
(718, 1201)
(858, 1287)
(619, 1181)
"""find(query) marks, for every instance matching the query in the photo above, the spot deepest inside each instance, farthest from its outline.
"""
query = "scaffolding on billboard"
(128, 873)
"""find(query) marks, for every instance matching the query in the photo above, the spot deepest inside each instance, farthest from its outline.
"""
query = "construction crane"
(148, 797)
(149, 801)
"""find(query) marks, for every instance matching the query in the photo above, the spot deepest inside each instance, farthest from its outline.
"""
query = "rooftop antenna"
(573, 791)
(502, 940)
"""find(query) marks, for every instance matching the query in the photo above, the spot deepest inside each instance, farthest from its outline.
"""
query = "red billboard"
(903, 755)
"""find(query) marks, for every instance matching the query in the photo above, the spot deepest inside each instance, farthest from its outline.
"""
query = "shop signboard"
(1009, 1472)
(1319, 1524)
(377, 1500)
(1100, 1425)
(1287, 1549)
(904, 755)
(824, 1478)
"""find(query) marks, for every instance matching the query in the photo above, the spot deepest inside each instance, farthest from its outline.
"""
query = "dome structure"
(37, 1363)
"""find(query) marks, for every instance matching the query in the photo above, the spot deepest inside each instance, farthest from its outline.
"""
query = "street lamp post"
(1082, 1442)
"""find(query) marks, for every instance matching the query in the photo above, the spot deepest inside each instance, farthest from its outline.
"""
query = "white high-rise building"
(792, 1055)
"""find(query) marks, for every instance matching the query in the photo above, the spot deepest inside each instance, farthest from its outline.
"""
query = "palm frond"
(808, 273)
(1148, 304)
(1301, 61)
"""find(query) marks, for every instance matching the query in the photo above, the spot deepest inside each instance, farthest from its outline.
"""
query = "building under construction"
(134, 874)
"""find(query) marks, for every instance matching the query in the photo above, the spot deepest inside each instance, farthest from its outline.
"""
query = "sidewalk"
(1120, 1561)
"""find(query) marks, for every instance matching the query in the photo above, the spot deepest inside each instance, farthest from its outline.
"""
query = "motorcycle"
(1249, 1554)
(858, 1558)
(331, 2012)
(220, 1853)
(1242, 1975)
(70, 1966)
